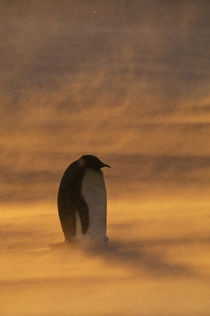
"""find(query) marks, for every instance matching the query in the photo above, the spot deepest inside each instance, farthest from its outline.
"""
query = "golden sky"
(117, 79)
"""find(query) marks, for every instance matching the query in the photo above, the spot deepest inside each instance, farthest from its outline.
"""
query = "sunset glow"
(127, 81)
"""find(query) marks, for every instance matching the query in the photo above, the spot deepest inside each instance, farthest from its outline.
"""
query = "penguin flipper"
(82, 210)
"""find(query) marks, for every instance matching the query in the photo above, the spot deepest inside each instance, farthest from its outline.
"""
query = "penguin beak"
(105, 165)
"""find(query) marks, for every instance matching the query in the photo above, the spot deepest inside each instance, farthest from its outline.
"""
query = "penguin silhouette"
(82, 201)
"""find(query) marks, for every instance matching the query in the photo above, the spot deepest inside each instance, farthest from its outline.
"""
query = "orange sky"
(108, 78)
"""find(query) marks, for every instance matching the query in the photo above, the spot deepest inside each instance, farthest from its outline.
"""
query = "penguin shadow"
(141, 257)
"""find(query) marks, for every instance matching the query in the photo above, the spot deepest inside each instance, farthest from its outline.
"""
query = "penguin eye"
(82, 162)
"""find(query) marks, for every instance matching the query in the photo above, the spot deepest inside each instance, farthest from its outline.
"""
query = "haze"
(127, 81)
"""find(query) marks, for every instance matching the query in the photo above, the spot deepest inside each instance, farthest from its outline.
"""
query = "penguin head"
(89, 161)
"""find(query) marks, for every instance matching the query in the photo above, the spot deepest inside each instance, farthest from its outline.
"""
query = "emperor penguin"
(82, 202)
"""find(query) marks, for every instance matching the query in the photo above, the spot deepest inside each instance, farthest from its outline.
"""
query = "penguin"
(82, 202)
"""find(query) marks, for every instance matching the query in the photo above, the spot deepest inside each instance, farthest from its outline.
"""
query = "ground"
(156, 263)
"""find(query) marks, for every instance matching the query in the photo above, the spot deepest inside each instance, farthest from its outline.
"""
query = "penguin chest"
(94, 193)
